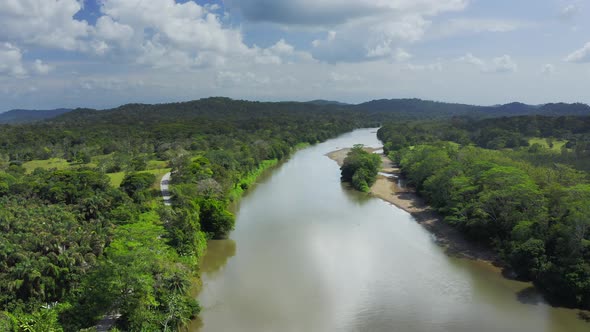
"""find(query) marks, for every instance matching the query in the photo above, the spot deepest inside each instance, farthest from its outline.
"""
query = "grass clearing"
(57, 163)
(117, 178)
(557, 144)
(156, 164)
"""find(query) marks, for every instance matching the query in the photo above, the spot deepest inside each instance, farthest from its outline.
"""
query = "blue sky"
(104, 53)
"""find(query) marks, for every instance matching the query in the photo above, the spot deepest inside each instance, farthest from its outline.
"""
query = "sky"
(104, 53)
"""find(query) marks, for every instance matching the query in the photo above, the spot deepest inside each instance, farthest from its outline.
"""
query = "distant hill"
(418, 108)
(24, 116)
(377, 110)
(326, 102)
(512, 109)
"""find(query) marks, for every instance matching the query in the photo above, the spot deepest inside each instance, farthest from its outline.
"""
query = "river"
(309, 255)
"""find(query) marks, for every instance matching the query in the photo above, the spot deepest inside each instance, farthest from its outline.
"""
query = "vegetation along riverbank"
(528, 202)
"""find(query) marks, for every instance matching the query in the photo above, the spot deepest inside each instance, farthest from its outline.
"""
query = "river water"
(308, 254)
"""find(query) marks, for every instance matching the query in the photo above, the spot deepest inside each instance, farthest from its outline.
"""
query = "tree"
(360, 168)
(136, 185)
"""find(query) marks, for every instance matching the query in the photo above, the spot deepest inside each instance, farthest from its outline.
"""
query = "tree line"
(530, 205)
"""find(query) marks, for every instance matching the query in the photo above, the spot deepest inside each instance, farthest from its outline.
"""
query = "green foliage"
(215, 219)
(43, 320)
(247, 180)
(360, 168)
(142, 276)
(532, 209)
(136, 185)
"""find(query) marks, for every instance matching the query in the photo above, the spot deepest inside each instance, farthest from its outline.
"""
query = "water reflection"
(218, 253)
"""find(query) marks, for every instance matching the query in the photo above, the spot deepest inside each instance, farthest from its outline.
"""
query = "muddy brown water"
(309, 254)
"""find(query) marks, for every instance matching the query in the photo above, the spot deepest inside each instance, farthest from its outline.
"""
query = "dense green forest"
(84, 230)
(520, 184)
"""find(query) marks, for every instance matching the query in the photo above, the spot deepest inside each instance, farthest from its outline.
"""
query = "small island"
(360, 168)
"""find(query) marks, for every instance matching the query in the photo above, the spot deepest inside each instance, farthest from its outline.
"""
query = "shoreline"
(388, 189)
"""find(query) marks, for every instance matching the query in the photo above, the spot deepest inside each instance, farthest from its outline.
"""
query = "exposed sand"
(388, 189)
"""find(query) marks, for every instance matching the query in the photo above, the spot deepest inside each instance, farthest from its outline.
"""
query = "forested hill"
(376, 110)
(420, 109)
(23, 116)
(208, 108)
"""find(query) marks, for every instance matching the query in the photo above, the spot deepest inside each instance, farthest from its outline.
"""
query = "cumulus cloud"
(11, 61)
(234, 78)
(581, 55)
(548, 69)
(109, 30)
(377, 38)
(386, 50)
(501, 64)
(179, 35)
(473, 60)
(41, 68)
(281, 52)
(358, 30)
(156, 33)
(44, 23)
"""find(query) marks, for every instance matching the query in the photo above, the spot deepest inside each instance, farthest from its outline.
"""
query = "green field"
(156, 164)
(557, 144)
(57, 163)
(117, 178)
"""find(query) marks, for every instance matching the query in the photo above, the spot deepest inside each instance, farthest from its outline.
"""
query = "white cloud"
(581, 55)
(473, 60)
(401, 55)
(463, 26)
(231, 79)
(501, 64)
(344, 78)
(548, 69)
(281, 52)
(569, 11)
(358, 30)
(370, 39)
(42, 22)
(110, 83)
(110, 30)
(436, 66)
(168, 34)
(41, 68)
(11, 60)
(385, 50)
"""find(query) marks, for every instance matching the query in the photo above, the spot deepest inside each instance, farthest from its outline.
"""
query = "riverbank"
(388, 188)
